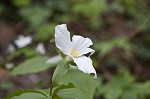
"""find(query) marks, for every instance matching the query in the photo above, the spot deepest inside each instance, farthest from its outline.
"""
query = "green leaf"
(70, 85)
(72, 93)
(82, 81)
(60, 71)
(30, 95)
(24, 94)
(33, 65)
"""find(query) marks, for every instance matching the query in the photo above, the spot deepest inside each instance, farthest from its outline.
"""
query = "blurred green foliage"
(21, 3)
(123, 86)
(104, 47)
(91, 8)
(27, 52)
(143, 46)
(35, 15)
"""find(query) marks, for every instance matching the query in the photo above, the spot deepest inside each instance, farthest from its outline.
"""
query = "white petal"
(62, 39)
(40, 48)
(54, 59)
(85, 64)
(87, 50)
(23, 41)
(81, 44)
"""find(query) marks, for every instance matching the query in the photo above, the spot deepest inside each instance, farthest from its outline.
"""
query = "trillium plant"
(75, 54)
(76, 49)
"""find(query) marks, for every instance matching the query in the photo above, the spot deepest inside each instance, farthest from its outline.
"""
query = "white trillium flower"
(40, 48)
(75, 49)
(23, 41)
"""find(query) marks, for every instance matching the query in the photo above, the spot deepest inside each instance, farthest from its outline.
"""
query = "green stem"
(50, 92)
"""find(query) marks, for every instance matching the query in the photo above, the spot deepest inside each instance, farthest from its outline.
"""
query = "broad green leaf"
(30, 95)
(72, 93)
(44, 91)
(82, 81)
(33, 65)
(70, 85)
(24, 94)
(60, 71)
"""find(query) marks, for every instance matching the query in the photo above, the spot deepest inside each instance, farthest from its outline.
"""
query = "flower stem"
(50, 91)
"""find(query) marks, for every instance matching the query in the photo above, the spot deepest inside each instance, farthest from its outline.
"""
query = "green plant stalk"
(50, 91)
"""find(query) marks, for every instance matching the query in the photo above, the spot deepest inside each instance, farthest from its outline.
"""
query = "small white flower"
(76, 49)
(40, 48)
(11, 48)
(23, 41)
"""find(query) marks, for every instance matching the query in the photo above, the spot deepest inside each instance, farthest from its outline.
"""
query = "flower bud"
(69, 59)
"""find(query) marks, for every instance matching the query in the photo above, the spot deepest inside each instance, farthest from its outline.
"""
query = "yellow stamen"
(75, 53)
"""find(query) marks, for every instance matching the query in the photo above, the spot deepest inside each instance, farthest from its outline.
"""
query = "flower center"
(75, 53)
